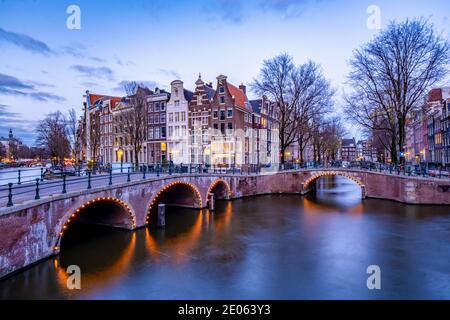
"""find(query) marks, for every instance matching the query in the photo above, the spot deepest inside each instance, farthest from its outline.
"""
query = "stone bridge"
(32, 231)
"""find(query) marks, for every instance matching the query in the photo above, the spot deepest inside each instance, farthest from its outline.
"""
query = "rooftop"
(240, 99)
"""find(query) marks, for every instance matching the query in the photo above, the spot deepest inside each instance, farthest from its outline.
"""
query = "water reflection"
(101, 269)
(336, 192)
(180, 239)
(27, 175)
(271, 247)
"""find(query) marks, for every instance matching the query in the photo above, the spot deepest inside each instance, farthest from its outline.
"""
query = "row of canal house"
(428, 131)
(218, 126)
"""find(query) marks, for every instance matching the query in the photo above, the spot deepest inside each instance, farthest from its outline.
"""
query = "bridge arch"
(106, 202)
(186, 192)
(307, 184)
(221, 189)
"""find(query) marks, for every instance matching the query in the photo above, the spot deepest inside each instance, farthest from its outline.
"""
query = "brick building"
(348, 150)
(231, 121)
(445, 122)
(98, 124)
(427, 130)
(365, 151)
(437, 125)
(107, 142)
(178, 122)
(265, 132)
(200, 116)
(156, 146)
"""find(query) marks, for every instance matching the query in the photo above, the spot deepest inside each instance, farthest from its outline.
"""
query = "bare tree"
(278, 81)
(72, 127)
(80, 140)
(315, 103)
(304, 136)
(13, 148)
(52, 134)
(331, 135)
(391, 75)
(24, 152)
(379, 120)
(95, 137)
(382, 141)
(299, 92)
(135, 117)
(326, 138)
(2, 151)
(39, 152)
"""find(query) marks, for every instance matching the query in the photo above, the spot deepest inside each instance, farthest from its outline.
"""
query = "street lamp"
(120, 154)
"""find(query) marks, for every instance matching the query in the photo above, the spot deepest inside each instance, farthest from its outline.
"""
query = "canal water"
(269, 247)
(11, 175)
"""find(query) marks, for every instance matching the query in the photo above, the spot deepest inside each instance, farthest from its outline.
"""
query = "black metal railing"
(34, 186)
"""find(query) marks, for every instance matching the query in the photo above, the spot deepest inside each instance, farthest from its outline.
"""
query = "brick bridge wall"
(32, 231)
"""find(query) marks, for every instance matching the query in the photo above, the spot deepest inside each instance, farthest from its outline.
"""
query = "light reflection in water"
(116, 268)
(271, 247)
(180, 245)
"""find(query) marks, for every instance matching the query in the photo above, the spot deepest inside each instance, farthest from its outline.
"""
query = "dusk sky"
(44, 66)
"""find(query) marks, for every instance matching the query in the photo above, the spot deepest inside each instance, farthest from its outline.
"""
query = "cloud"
(25, 42)
(24, 129)
(94, 72)
(36, 46)
(41, 84)
(149, 84)
(228, 11)
(45, 96)
(89, 84)
(235, 11)
(13, 86)
(5, 113)
(126, 63)
(7, 81)
(11, 92)
(288, 8)
(79, 52)
(170, 73)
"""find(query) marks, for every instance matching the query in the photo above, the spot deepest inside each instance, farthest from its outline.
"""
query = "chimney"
(243, 88)
(435, 95)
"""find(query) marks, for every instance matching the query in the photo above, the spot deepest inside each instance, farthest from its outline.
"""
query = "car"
(438, 173)
(70, 170)
(336, 163)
